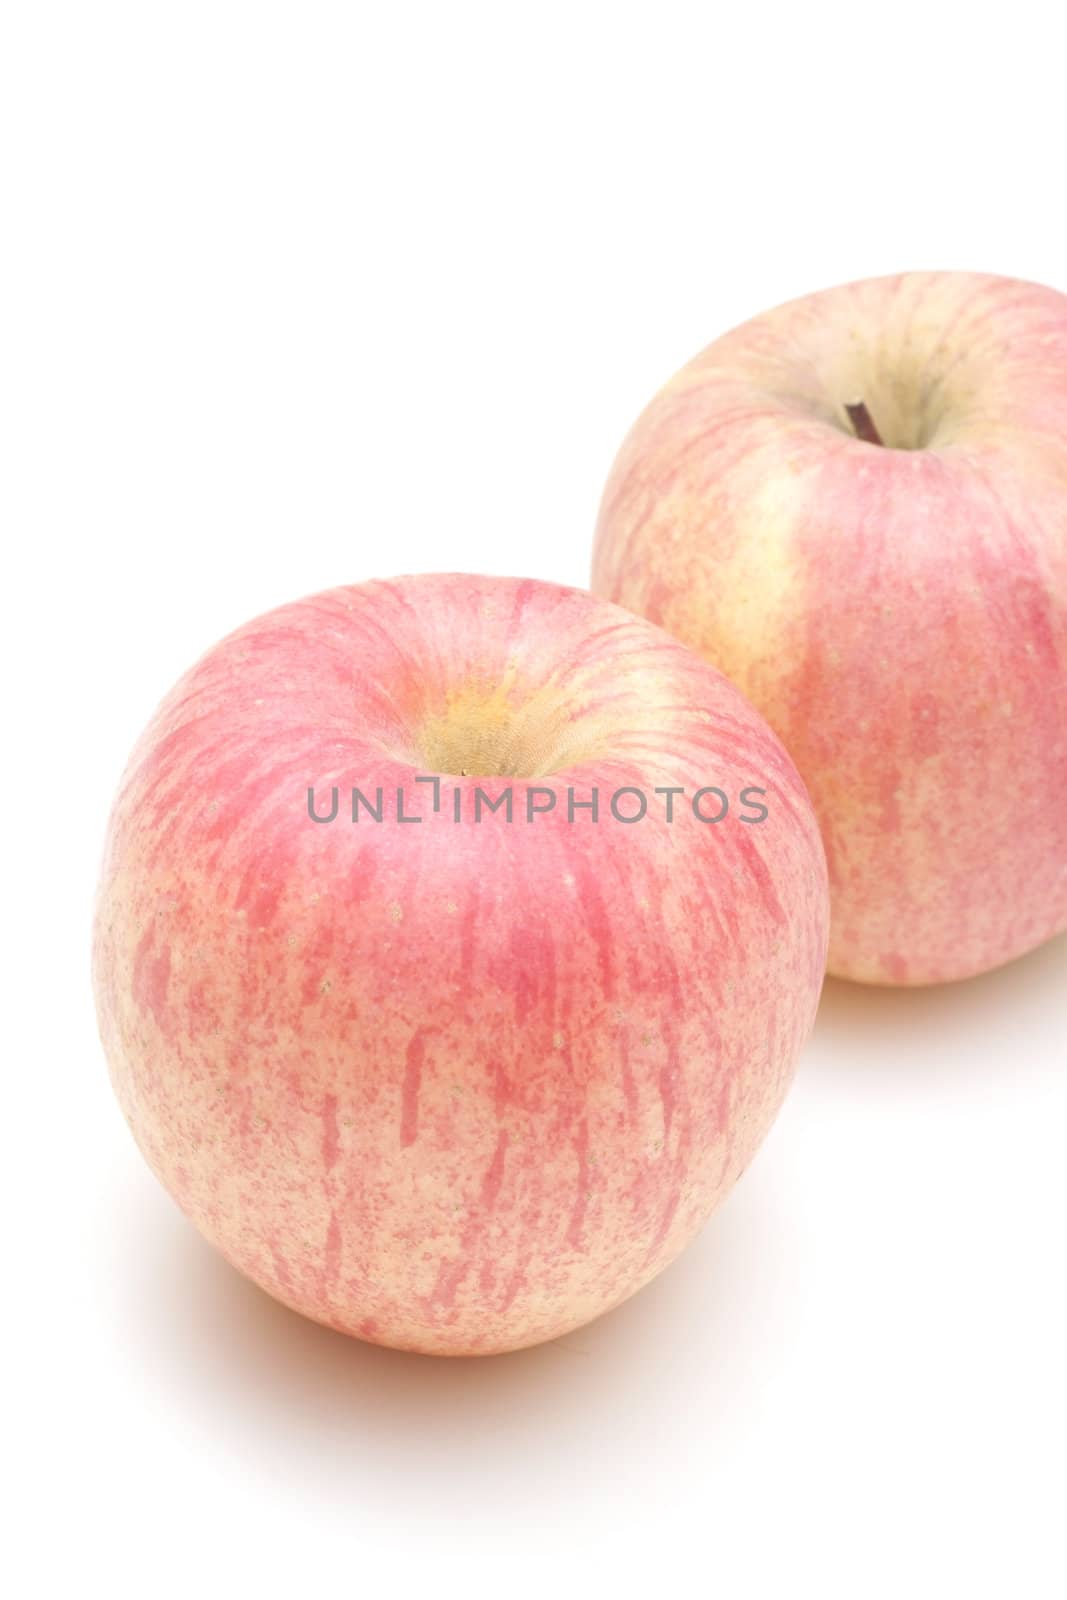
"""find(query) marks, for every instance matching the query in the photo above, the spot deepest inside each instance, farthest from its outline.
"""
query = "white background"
(300, 294)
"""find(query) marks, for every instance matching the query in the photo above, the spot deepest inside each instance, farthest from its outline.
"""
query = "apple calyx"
(862, 422)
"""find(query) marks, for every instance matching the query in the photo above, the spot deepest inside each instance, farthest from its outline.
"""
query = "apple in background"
(856, 507)
(454, 1086)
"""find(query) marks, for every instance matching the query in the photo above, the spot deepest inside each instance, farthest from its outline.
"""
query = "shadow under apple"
(987, 1027)
(351, 1418)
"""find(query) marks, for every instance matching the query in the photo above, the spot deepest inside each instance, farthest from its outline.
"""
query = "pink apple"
(455, 1085)
(856, 507)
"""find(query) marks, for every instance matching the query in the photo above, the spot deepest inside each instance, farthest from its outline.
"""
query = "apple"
(856, 507)
(442, 1069)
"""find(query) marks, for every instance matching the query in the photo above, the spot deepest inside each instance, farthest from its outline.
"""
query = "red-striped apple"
(856, 506)
(455, 1084)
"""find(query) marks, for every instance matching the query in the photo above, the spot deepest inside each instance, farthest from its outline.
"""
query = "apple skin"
(897, 612)
(452, 1088)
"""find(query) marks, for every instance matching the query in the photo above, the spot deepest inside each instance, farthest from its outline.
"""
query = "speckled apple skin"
(898, 614)
(452, 1088)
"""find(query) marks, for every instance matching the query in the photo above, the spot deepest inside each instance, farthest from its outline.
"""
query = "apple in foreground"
(455, 1084)
(856, 507)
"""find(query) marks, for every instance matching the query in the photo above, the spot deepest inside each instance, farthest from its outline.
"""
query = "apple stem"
(862, 422)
